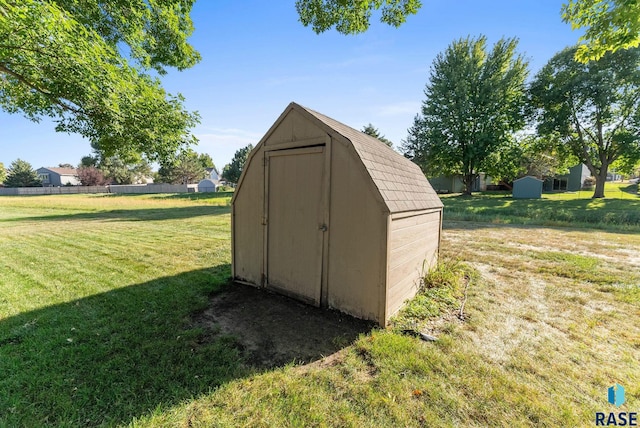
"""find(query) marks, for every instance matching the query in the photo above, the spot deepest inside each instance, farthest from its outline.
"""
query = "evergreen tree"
(21, 174)
(232, 171)
(375, 133)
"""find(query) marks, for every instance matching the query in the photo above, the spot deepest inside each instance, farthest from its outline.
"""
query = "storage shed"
(333, 217)
(206, 185)
(527, 188)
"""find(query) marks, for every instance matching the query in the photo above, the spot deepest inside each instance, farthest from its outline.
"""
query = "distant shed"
(206, 185)
(333, 217)
(527, 188)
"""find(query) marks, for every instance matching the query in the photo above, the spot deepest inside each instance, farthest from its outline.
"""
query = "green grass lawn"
(98, 296)
(95, 298)
(620, 210)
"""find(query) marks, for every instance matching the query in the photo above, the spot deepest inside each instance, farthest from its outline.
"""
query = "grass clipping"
(442, 296)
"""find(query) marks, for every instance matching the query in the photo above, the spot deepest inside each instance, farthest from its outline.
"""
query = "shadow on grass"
(109, 358)
(144, 214)
(199, 196)
(632, 189)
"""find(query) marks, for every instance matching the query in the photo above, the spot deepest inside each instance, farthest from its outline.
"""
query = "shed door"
(295, 206)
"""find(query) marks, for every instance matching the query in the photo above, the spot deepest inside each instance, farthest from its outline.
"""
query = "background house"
(572, 182)
(453, 183)
(58, 176)
(213, 175)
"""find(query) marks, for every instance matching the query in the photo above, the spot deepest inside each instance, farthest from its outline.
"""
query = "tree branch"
(49, 95)
(23, 48)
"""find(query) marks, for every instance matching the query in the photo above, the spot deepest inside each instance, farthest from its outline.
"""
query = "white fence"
(119, 188)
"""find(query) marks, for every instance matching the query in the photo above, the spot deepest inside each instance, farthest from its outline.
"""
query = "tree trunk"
(600, 180)
(467, 180)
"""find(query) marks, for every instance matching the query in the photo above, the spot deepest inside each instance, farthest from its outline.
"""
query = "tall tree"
(353, 17)
(187, 167)
(232, 171)
(206, 161)
(86, 65)
(89, 160)
(375, 133)
(3, 172)
(610, 25)
(22, 174)
(594, 108)
(474, 102)
(119, 171)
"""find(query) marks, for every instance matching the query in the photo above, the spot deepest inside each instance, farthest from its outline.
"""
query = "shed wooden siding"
(356, 255)
(294, 130)
(248, 239)
(413, 250)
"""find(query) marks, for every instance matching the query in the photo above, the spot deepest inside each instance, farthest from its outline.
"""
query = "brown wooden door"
(295, 207)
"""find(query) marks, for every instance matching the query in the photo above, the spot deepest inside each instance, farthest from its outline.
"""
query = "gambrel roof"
(400, 182)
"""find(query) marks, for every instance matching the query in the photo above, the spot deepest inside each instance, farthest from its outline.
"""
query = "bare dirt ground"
(274, 330)
(522, 303)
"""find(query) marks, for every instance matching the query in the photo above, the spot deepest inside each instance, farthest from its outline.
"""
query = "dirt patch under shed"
(273, 330)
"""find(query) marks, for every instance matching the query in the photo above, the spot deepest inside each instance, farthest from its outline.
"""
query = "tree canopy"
(187, 167)
(85, 64)
(609, 25)
(3, 172)
(120, 171)
(474, 102)
(592, 108)
(22, 174)
(353, 17)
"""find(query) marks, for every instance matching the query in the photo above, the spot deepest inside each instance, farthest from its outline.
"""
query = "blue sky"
(257, 57)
